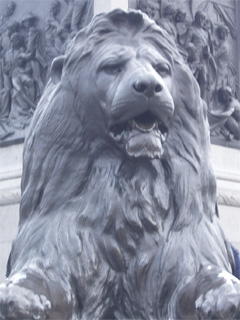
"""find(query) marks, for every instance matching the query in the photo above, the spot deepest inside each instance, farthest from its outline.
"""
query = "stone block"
(8, 225)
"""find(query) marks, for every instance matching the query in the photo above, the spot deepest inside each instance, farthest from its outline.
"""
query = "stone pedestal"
(107, 5)
(226, 164)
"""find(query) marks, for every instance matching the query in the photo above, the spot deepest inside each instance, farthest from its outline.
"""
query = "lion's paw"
(21, 303)
(222, 302)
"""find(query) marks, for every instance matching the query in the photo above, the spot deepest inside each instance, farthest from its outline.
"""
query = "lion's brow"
(117, 54)
(153, 55)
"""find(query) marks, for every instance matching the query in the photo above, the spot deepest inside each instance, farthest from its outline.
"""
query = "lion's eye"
(113, 69)
(163, 69)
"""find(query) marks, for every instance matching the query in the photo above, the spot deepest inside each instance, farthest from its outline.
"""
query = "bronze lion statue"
(118, 212)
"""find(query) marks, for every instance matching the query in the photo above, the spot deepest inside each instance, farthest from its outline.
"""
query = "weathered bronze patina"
(118, 213)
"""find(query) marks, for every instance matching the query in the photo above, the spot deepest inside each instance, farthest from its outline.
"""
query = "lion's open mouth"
(145, 122)
(144, 135)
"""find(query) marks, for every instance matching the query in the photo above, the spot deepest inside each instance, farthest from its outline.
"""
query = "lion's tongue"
(145, 122)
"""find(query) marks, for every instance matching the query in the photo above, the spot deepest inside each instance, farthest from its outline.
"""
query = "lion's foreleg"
(30, 295)
(211, 294)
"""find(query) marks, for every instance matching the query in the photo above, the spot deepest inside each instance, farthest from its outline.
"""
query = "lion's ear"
(56, 69)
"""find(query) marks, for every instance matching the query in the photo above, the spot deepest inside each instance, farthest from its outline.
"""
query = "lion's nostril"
(158, 88)
(140, 86)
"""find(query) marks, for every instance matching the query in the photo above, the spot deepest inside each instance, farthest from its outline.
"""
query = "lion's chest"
(142, 287)
(135, 284)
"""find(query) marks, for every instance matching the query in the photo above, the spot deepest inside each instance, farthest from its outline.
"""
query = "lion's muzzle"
(141, 113)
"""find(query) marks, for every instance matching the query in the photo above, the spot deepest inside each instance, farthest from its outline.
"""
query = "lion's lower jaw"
(137, 144)
(146, 145)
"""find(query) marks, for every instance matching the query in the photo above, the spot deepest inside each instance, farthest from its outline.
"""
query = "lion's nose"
(149, 86)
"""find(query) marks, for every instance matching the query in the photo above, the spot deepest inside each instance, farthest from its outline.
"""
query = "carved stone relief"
(205, 32)
(32, 34)
(206, 35)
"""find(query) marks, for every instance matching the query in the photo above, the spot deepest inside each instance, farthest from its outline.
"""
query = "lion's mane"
(81, 195)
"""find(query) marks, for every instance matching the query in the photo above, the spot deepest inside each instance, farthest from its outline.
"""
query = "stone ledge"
(226, 164)
(11, 196)
(9, 175)
(228, 199)
(10, 193)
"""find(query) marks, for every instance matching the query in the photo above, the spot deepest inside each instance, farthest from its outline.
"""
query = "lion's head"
(130, 81)
(121, 94)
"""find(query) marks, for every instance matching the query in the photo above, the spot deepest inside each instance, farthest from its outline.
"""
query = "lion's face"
(131, 83)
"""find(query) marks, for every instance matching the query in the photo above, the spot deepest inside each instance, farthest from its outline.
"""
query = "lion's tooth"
(163, 137)
(133, 124)
(144, 129)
